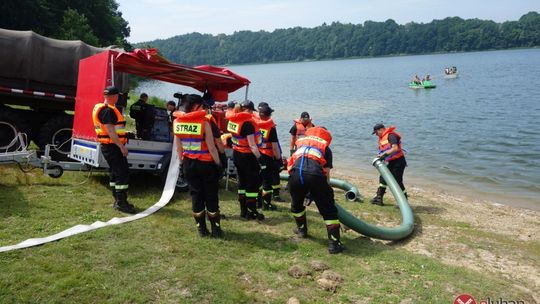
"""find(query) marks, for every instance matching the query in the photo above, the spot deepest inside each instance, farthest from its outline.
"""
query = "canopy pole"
(112, 70)
(247, 88)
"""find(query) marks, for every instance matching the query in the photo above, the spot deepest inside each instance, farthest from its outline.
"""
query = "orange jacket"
(312, 146)
(265, 126)
(300, 128)
(236, 121)
(190, 128)
(385, 145)
(101, 131)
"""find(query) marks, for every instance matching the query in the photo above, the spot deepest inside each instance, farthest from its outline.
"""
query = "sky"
(161, 19)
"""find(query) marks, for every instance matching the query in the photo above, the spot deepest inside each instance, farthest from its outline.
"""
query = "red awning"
(148, 63)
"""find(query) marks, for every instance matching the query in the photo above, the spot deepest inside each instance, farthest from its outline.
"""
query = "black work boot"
(378, 199)
(200, 220)
(252, 213)
(267, 201)
(215, 224)
(334, 243)
(121, 204)
(276, 197)
(301, 226)
(243, 206)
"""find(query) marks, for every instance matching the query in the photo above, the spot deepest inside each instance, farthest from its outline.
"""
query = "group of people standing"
(257, 157)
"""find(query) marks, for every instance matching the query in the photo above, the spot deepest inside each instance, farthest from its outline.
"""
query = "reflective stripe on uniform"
(309, 150)
(299, 214)
(121, 187)
(331, 222)
(252, 194)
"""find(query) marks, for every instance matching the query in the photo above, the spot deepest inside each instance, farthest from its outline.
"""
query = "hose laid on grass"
(383, 233)
(168, 191)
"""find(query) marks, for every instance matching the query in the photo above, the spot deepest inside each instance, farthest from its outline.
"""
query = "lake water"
(478, 133)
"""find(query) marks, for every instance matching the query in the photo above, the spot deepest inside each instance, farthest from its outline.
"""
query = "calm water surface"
(478, 133)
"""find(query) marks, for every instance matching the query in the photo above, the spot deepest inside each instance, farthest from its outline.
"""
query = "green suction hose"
(351, 192)
(383, 233)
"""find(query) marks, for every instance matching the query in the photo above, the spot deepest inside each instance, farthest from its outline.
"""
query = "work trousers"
(118, 167)
(319, 191)
(270, 175)
(202, 178)
(397, 168)
(248, 172)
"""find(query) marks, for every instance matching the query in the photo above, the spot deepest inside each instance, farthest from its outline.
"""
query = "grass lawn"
(160, 259)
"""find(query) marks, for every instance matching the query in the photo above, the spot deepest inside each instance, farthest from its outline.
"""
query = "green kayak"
(426, 84)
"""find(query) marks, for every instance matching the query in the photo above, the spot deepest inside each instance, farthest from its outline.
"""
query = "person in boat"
(390, 151)
(454, 70)
(447, 71)
(417, 80)
(428, 78)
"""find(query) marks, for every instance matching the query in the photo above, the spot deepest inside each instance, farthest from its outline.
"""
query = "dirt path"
(469, 232)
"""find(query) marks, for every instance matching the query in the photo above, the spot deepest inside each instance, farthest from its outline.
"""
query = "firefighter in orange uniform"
(200, 162)
(299, 128)
(246, 139)
(390, 151)
(309, 169)
(110, 126)
(270, 154)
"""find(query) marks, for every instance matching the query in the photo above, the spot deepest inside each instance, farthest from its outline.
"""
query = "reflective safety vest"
(101, 131)
(189, 128)
(300, 128)
(265, 126)
(385, 145)
(312, 145)
(234, 126)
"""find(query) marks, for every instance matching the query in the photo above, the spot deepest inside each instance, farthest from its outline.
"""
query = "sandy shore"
(473, 233)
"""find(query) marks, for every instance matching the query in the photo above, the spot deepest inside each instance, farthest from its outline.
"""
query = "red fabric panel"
(94, 76)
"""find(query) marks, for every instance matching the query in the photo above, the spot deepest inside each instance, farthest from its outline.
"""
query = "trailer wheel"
(55, 171)
(10, 124)
(57, 131)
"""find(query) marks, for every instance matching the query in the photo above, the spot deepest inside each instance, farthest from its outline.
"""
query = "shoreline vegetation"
(348, 41)
(458, 246)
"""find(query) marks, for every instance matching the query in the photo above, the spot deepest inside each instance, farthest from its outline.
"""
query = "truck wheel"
(57, 131)
(10, 124)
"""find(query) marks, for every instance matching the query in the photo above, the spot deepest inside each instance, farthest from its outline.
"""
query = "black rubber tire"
(57, 131)
(11, 123)
(59, 172)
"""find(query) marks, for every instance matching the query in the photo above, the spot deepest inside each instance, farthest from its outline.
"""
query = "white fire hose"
(168, 191)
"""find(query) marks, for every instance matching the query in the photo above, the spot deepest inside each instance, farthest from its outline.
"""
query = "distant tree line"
(96, 22)
(339, 40)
